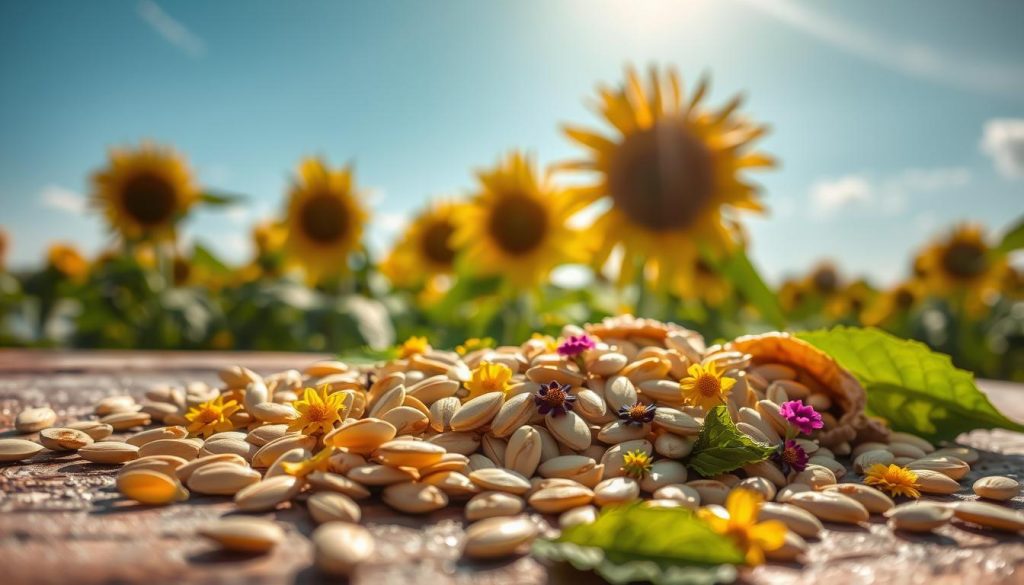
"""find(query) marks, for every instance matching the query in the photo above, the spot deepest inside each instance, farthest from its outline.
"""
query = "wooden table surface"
(62, 521)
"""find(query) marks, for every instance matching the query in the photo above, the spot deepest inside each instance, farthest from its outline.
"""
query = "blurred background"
(343, 175)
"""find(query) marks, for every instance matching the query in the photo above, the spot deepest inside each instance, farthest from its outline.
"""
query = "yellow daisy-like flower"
(319, 462)
(68, 261)
(515, 226)
(473, 344)
(670, 174)
(318, 411)
(325, 219)
(898, 481)
(793, 295)
(487, 378)
(893, 303)
(550, 343)
(212, 416)
(705, 386)
(425, 250)
(413, 346)
(637, 464)
(851, 301)
(960, 263)
(750, 536)
(144, 192)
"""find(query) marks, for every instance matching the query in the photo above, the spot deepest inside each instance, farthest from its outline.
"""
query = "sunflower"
(487, 378)
(824, 279)
(515, 225)
(211, 417)
(898, 481)
(318, 411)
(67, 261)
(851, 300)
(893, 303)
(325, 219)
(741, 525)
(705, 285)
(424, 251)
(793, 295)
(961, 263)
(144, 192)
(705, 386)
(669, 175)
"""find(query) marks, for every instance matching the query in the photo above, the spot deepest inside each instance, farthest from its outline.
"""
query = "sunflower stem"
(642, 294)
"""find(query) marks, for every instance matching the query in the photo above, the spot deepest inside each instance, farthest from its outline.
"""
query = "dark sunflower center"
(703, 268)
(435, 242)
(904, 298)
(149, 199)
(518, 223)
(964, 259)
(825, 279)
(324, 219)
(662, 177)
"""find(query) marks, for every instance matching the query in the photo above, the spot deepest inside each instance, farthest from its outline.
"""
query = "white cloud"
(237, 214)
(173, 31)
(907, 57)
(830, 196)
(887, 196)
(1003, 140)
(391, 223)
(62, 199)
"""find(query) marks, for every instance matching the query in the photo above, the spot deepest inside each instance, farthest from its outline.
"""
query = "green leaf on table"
(629, 543)
(1012, 240)
(916, 389)
(721, 447)
(738, 269)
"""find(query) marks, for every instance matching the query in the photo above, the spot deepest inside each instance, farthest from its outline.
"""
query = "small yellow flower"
(550, 343)
(66, 260)
(211, 417)
(898, 481)
(414, 345)
(319, 462)
(636, 464)
(318, 411)
(473, 344)
(705, 386)
(487, 378)
(751, 536)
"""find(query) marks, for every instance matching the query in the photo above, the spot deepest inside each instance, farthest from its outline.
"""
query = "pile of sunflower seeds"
(565, 438)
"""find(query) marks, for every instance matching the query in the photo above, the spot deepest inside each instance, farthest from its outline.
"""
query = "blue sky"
(891, 120)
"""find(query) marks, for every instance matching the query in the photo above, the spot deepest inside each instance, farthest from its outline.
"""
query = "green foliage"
(738, 269)
(915, 389)
(721, 447)
(632, 543)
(1013, 239)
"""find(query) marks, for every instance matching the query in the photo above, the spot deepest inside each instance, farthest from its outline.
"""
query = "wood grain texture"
(62, 521)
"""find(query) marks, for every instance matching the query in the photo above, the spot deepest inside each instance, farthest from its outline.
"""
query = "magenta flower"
(791, 457)
(801, 416)
(575, 345)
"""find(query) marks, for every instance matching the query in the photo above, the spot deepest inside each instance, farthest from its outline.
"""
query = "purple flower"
(801, 416)
(575, 345)
(554, 398)
(791, 457)
(638, 414)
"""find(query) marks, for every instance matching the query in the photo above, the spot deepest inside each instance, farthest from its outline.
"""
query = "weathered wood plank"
(61, 519)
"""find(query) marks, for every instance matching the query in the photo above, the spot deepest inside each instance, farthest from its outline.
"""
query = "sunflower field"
(650, 214)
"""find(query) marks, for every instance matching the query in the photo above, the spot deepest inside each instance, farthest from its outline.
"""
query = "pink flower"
(575, 345)
(791, 457)
(802, 416)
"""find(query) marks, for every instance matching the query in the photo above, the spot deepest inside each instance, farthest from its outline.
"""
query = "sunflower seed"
(793, 547)
(569, 429)
(414, 498)
(933, 482)
(269, 453)
(381, 475)
(711, 491)
(620, 392)
(268, 494)
(965, 454)
(63, 439)
(872, 499)
(402, 453)
(407, 420)
(187, 450)
(673, 446)
(32, 420)
(338, 547)
(906, 450)
(501, 480)
(918, 516)
(676, 421)
(185, 471)
(830, 506)
(109, 452)
(947, 465)
(577, 516)
(996, 487)
(222, 479)
(333, 506)
(243, 534)
(18, 449)
(122, 421)
(333, 482)
(815, 476)
(492, 504)
(362, 436)
(559, 498)
(477, 412)
(150, 487)
(273, 413)
(616, 490)
(453, 483)
(989, 516)
(759, 485)
(796, 519)
(388, 401)
(441, 413)
(865, 460)
(686, 495)
(523, 452)
(95, 429)
(115, 404)
(499, 537)
(663, 473)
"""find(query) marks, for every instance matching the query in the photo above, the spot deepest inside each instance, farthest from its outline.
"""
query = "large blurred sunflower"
(144, 192)
(425, 249)
(325, 219)
(671, 174)
(515, 225)
(893, 304)
(706, 285)
(960, 263)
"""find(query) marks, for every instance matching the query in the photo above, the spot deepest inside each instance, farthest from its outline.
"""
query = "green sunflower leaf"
(916, 389)
(630, 543)
(220, 198)
(1013, 239)
(739, 270)
(721, 447)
